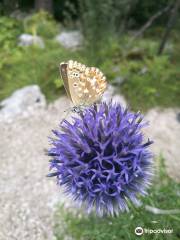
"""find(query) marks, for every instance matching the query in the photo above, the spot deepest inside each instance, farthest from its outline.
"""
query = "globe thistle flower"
(101, 159)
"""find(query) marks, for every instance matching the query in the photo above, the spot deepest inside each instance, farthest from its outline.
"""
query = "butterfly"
(84, 85)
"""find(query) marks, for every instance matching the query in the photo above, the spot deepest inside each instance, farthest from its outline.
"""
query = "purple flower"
(101, 158)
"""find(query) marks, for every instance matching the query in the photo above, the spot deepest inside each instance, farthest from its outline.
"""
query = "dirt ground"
(27, 197)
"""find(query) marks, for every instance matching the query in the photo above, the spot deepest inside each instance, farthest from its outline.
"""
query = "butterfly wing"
(64, 76)
(74, 80)
(84, 85)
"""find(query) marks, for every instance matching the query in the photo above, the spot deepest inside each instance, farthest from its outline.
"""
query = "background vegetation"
(113, 42)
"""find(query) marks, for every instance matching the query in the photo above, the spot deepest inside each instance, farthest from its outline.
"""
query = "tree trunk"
(170, 24)
(46, 5)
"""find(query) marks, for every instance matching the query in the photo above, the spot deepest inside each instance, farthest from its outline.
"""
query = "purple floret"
(101, 158)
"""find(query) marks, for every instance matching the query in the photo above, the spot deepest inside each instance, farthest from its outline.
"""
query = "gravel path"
(27, 197)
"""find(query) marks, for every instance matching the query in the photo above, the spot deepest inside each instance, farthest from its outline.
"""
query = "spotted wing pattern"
(84, 85)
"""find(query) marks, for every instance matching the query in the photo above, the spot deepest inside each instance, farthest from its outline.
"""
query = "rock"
(119, 80)
(72, 39)
(28, 40)
(22, 103)
(110, 94)
(115, 68)
(164, 130)
(143, 71)
(178, 117)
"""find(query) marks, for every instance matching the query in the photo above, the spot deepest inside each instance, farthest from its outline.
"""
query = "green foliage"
(9, 31)
(144, 9)
(33, 65)
(69, 13)
(162, 195)
(42, 24)
(132, 13)
(95, 21)
(100, 22)
(150, 80)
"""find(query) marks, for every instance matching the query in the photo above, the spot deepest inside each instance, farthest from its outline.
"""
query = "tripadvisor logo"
(139, 231)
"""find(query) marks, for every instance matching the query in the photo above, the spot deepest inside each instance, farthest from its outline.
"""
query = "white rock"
(110, 94)
(22, 102)
(28, 40)
(72, 39)
(118, 80)
(164, 130)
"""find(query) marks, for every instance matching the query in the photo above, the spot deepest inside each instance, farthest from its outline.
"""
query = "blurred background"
(136, 45)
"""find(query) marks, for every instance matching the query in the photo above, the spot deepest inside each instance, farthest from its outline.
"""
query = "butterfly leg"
(67, 111)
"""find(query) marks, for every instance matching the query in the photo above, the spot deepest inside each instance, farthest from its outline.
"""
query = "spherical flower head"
(101, 159)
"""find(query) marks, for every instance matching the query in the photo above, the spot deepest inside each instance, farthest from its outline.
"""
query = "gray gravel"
(28, 198)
